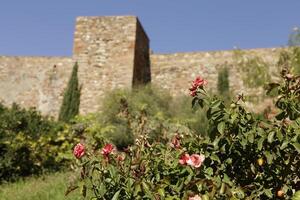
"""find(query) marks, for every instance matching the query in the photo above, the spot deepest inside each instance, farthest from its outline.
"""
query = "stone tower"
(112, 52)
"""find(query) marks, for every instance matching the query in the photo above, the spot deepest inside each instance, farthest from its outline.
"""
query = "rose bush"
(243, 157)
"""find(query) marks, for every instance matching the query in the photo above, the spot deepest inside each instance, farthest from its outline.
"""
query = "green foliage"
(125, 114)
(148, 98)
(71, 101)
(30, 143)
(245, 158)
(265, 153)
(128, 114)
(255, 72)
(123, 109)
(289, 96)
(290, 59)
(183, 113)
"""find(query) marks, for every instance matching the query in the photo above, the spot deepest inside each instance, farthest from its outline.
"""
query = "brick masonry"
(114, 52)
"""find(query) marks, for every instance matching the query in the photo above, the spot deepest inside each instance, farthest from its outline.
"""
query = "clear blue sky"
(45, 27)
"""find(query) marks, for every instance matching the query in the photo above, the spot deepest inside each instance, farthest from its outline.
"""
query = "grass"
(47, 187)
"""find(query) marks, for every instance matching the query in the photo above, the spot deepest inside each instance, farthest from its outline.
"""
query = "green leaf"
(116, 196)
(268, 192)
(137, 189)
(223, 188)
(221, 127)
(281, 115)
(253, 169)
(233, 117)
(188, 179)
(216, 143)
(251, 137)
(147, 190)
(209, 171)
(83, 190)
(201, 103)
(102, 189)
(284, 144)
(226, 179)
(271, 137)
(112, 171)
(208, 113)
(260, 143)
(269, 157)
(297, 146)
(216, 104)
(296, 196)
(205, 197)
(194, 101)
(215, 157)
(279, 135)
(161, 192)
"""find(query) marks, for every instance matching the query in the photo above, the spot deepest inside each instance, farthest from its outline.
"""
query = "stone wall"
(113, 52)
(34, 81)
(175, 72)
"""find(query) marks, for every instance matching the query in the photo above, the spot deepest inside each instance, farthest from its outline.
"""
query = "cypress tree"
(223, 81)
(223, 85)
(70, 105)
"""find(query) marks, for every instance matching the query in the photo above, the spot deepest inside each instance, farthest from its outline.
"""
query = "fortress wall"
(113, 52)
(176, 71)
(104, 48)
(34, 81)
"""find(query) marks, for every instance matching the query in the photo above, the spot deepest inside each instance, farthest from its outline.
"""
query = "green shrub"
(183, 113)
(148, 98)
(290, 59)
(31, 143)
(124, 109)
(71, 101)
(254, 71)
(127, 114)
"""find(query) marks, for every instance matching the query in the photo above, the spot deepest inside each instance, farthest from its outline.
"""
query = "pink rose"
(79, 150)
(184, 158)
(107, 149)
(196, 160)
(197, 197)
(198, 82)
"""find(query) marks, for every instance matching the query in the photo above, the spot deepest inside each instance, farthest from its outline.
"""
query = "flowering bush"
(242, 157)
